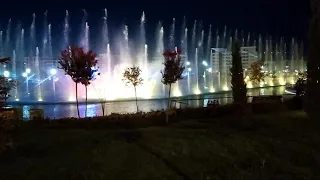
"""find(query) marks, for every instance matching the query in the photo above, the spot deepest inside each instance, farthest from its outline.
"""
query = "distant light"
(188, 63)
(204, 63)
(209, 70)
(16, 99)
(225, 88)
(6, 73)
(28, 70)
(189, 69)
(197, 91)
(212, 90)
(40, 99)
(53, 71)
(24, 74)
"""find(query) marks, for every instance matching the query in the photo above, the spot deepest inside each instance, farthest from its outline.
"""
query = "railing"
(202, 101)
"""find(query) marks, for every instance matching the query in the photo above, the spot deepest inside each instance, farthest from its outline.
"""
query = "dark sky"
(276, 17)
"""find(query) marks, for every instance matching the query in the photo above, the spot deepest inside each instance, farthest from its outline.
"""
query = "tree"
(131, 76)
(172, 72)
(6, 85)
(313, 64)
(6, 125)
(256, 75)
(78, 65)
(239, 89)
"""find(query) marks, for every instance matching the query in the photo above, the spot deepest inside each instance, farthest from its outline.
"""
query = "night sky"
(287, 18)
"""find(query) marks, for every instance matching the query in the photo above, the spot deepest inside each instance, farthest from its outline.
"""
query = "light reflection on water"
(69, 110)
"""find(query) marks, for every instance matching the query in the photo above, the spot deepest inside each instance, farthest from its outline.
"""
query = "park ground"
(273, 146)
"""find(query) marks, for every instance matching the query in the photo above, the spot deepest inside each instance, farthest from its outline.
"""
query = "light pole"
(26, 75)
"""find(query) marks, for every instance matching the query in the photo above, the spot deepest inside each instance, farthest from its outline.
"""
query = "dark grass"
(267, 146)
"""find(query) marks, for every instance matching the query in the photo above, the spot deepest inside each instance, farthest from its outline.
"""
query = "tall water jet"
(160, 49)
(50, 54)
(193, 38)
(1, 44)
(143, 60)
(271, 63)
(209, 58)
(21, 50)
(186, 59)
(172, 34)
(17, 47)
(293, 59)
(260, 48)
(105, 30)
(32, 35)
(248, 39)
(217, 67)
(223, 43)
(7, 44)
(301, 58)
(14, 72)
(38, 76)
(108, 62)
(197, 89)
(45, 35)
(66, 30)
(86, 38)
(267, 53)
(124, 48)
(159, 41)
(83, 27)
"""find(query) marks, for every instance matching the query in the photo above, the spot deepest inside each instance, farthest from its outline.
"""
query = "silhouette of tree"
(239, 89)
(256, 75)
(313, 64)
(172, 72)
(78, 65)
(131, 76)
(6, 85)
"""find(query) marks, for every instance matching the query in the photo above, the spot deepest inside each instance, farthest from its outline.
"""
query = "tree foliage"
(239, 89)
(132, 76)
(6, 125)
(78, 64)
(255, 72)
(173, 67)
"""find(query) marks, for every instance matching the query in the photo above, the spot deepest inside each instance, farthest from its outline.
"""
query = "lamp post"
(26, 75)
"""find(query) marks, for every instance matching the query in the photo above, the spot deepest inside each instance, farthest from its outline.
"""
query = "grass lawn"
(277, 146)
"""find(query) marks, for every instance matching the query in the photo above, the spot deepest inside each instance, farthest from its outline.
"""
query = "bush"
(6, 128)
(295, 103)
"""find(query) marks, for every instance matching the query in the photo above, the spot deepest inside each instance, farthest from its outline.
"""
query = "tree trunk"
(102, 107)
(135, 93)
(86, 101)
(169, 103)
(77, 100)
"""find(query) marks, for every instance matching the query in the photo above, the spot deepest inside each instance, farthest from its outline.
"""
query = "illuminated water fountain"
(207, 57)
